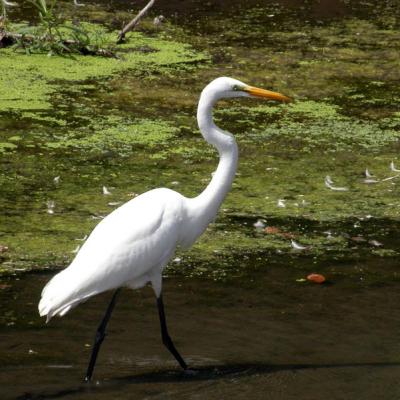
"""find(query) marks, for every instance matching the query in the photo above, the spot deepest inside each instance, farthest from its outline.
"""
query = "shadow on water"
(207, 373)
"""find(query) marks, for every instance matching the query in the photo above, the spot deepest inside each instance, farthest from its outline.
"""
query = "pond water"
(238, 304)
(264, 338)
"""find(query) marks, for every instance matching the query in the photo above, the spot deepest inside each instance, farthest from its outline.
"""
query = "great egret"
(133, 244)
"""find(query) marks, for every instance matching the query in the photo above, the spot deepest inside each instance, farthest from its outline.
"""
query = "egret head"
(228, 87)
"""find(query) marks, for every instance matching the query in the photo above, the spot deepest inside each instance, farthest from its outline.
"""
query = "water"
(235, 306)
(269, 338)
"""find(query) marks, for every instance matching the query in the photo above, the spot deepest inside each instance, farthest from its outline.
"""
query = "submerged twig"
(131, 25)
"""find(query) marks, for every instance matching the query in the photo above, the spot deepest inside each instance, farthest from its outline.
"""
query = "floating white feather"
(297, 246)
(281, 203)
(329, 184)
(393, 168)
(106, 192)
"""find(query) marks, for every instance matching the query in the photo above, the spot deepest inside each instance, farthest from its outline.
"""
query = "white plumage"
(123, 250)
(132, 245)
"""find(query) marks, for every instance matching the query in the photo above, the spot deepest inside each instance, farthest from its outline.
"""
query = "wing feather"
(124, 248)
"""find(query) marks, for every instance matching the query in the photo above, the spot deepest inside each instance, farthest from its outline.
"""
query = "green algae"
(306, 125)
(115, 134)
(332, 136)
(344, 79)
(6, 147)
(313, 109)
(30, 82)
(47, 240)
(315, 61)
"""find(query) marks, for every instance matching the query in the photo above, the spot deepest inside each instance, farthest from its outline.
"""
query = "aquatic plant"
(53, 34)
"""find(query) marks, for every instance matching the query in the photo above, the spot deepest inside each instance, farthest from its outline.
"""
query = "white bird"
(133, 244)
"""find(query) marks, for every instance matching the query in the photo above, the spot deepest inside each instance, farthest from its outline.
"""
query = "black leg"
(100, 335)
(165, 336)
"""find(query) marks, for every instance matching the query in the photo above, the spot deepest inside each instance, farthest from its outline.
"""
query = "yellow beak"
(266, 93)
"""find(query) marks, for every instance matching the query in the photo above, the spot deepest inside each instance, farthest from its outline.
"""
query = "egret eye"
(236, 88)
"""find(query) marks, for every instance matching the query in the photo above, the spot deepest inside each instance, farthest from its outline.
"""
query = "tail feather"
(58, 296)
(50, 310)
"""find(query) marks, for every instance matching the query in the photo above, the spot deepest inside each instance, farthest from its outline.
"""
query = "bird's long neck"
(208, 202)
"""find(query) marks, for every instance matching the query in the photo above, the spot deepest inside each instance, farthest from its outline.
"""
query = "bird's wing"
(128, 245)
(135, 236)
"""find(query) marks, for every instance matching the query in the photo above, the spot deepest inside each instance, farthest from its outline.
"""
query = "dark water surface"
(265, 339)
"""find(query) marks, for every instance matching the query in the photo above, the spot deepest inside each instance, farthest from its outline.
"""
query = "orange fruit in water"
(316, 278)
